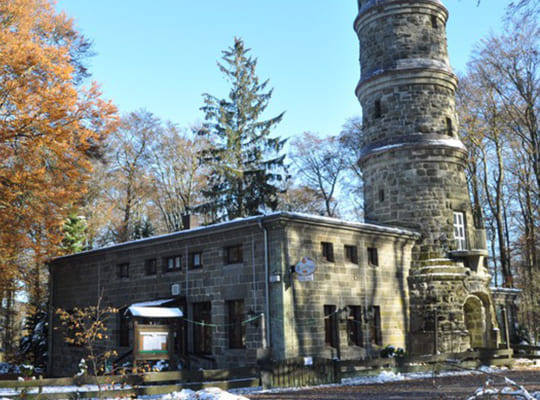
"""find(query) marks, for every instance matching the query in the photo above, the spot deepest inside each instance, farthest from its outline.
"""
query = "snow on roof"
(337, 221)
(152, 303)
(262, 218)
(505, 290)
(155, 312)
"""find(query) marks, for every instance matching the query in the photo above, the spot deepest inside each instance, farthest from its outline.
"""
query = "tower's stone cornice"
(412, 141)
(375, 9)
(407, 72)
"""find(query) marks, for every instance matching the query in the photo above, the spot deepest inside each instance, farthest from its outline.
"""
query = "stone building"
(355, 302)
(414, 276)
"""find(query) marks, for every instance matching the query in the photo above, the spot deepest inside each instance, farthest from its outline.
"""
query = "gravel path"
(449, 387)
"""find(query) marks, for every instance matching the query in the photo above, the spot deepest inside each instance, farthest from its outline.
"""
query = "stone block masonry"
(413, 166)
(297, 317)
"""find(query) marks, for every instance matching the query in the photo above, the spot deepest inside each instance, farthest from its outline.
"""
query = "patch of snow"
(152, 303)
(261, 217)
(513, 389)
(383, 377)
(505, 290)
(6, 368)
(155, 312)
(446, 142)
(205, 394)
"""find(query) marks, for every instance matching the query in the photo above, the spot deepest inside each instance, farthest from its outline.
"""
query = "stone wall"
(296, 308)
(80, 279)
(421, 188)
(343, 283)
(401, 30)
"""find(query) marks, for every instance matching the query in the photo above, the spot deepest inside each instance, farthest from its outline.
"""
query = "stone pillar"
(414, 162)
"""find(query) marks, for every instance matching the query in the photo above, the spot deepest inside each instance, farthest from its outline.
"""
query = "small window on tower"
(434, 22)
(378, 109)
(381, 195)
(449, 128)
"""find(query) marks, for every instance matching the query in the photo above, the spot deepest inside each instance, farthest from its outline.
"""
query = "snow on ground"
(205, 394)
(382, 377)
(186, 394)
(238, 394)
(513, 389)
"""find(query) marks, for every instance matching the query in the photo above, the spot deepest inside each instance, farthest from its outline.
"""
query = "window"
(123, 328)
(327, 249)
(373, 256)
(202, 331)
(195, 260)
(354, 326)
(173, 263)
(237, 330)
(434, 22)
(351, 254)
(330, 326)
(122, 270)
(381, 195)
(449, 128)
(234, 254)
(150, 267)
(375, 334)
(377, 109)
(459, 230)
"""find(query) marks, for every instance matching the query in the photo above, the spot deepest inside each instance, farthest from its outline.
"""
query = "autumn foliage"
(50, 128)
(87, 328)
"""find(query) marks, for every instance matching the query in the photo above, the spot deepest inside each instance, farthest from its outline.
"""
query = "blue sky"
(161, 55)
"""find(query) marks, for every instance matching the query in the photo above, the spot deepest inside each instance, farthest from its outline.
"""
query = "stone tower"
(414, 170)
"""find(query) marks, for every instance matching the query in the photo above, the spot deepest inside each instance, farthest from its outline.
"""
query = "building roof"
(259, 220)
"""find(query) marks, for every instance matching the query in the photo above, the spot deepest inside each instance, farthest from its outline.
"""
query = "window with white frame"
(459, 230)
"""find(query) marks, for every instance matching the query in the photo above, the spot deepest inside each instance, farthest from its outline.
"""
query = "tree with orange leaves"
(51, 126)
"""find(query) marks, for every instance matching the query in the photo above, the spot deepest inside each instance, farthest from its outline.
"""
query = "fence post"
(436, 331)
(266, 367)
(506, 330)
(337, 370)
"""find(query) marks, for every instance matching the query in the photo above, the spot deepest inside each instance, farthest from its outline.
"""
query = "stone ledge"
(396, 6)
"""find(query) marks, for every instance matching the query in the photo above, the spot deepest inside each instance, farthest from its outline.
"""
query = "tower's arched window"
(377, 109)
(434, 22)
(449, 128)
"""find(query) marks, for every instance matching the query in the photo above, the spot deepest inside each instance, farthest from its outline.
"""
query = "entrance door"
(475, 321)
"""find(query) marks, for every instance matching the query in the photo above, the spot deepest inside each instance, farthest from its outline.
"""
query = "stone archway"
(476, 321)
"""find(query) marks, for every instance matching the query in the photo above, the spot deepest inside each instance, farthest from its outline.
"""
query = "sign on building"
(305, 269)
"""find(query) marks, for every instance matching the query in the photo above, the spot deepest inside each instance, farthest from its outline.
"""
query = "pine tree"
(245, 161)
(74, 234)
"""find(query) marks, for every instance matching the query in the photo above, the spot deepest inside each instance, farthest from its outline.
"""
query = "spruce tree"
(244, 160)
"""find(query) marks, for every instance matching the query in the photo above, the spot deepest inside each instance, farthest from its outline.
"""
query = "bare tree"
(320, 165)
(350, 142)
(129, 157)
(177, 175)
(301, 199)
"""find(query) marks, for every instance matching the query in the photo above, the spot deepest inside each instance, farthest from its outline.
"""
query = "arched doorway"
(476, 321)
